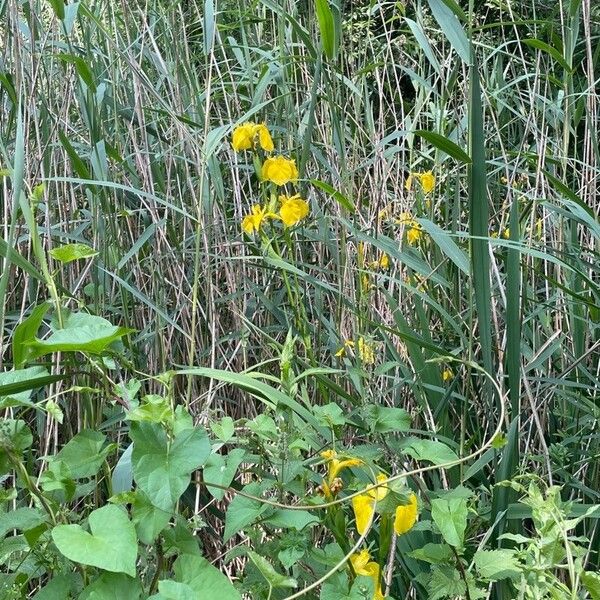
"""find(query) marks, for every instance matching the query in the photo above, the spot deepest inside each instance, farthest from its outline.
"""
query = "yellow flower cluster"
(277, 169)
(247, 135)
(364, 508)
(363, 565)
(427, 181)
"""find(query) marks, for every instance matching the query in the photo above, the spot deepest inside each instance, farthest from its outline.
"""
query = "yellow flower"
(406, 516)
(427, 181)
(251, 223)
(335, 465)
(364, 505)
(342, 351)
(293, 209)
(447, 374)
(264, 138)
(382, 263)
(366, 351)
(413, 232)
(506, 233)
(280, 170)
(244, 137)
(362, 565)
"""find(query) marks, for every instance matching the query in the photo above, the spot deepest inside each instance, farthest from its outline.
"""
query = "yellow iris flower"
(426, 179)
(280, 170)
(363, 565)
(364, 505)
(414, 231)
(293, 209)
(447, 374)
(406, 516)
(244, 137)
(252, 223)
(335, 465)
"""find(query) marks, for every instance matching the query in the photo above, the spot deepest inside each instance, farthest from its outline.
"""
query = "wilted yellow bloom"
(251, 223)
(382, 263)
(335, 465)
(406, 516)
(427, 181)
(362, 565)
(408, 183)
(506, 233)
(366, 351)
(447, 374)
(293, 209)
(244, 137)
(280, 170)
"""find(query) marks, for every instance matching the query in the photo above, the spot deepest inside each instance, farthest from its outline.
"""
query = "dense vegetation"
(299, 299)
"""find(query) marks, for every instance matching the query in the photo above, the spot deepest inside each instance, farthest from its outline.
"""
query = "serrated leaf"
(497, 564)
(433, 553)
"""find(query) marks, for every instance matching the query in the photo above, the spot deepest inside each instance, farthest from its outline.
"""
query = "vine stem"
(405, 474)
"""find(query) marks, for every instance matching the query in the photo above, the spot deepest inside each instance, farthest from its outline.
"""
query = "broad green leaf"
(450, 515)
(206, 581)
(58, 6)
(163, 470)
(112, 586)
(25, 332)
(385, 419)
(591, 581)
(153, 408)
(58, 588)
(25, 376)
(111, 544)
(84, 454)
(23, 518)
(122, 475)
(148, 519)
(223, 429)
(222, 469)
(445, 145)
(296, 519)
(433, 553)
(429, 450)
(445, 582)
(174, 590)
(81, 333)
(497, 564)
(275, 579)
(70, 252)
(330, 415)
(244, 511)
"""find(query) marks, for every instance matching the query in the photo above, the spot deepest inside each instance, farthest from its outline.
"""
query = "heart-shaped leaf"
(111, 545)
(163, 470)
